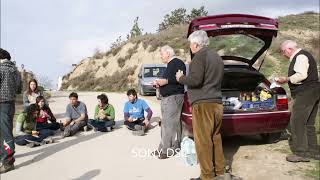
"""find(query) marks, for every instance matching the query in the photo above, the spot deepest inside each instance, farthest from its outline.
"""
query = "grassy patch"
(304, 21)
(315, 172)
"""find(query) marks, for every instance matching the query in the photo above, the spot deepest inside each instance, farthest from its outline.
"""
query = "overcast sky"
(47, 36)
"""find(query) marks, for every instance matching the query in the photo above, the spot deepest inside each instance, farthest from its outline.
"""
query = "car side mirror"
(139, 76)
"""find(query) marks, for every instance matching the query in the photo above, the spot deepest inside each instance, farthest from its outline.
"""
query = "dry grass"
(117, 82)
(176, 37)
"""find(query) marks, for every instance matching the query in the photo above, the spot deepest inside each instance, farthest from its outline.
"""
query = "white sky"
(47, 36)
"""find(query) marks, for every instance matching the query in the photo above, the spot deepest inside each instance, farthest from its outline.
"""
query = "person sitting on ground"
(134, 113)
(104, 115)
(77, 116)
(30, 95)
(45, 116)
(26, 133)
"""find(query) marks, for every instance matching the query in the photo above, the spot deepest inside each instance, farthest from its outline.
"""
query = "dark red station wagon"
(251, 107)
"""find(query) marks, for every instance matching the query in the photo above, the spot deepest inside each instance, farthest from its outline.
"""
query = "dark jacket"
(10, 81)
(173, 87)
(205, 77)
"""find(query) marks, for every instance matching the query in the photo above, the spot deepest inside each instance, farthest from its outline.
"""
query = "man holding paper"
(304, 86)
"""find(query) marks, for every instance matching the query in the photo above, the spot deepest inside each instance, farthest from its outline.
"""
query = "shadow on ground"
(154, 122)
(89, 175)
(50, 150)
(232, 144)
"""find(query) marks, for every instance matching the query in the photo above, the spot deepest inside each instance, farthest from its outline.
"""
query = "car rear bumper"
(248, 123)
(149, 89)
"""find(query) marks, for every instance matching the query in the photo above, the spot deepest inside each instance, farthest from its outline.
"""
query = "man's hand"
(66, 122)
(102, 116)
(146, 122)
(155, 84)
(179, 74)
(130, 119)
(281, 79)
(35, 133)
(162, 82)
(72, 123)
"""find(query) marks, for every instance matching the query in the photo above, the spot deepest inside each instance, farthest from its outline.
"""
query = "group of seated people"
(36, 124)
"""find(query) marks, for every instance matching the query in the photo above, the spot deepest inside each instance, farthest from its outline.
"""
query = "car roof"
(153, 65)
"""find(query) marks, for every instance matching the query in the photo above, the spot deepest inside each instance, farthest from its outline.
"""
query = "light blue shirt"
(136, 109)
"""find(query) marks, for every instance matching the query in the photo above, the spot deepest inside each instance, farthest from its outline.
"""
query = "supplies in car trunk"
(261, 98)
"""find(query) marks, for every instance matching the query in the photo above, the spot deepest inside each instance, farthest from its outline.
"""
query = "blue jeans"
(44, 133)
(52, 126)
(7, 110)
(131, 125)
(101, 125)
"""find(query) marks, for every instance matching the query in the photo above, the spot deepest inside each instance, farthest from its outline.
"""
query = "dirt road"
(113, 156)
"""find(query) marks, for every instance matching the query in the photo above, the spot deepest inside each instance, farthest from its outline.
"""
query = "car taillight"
(282, 102)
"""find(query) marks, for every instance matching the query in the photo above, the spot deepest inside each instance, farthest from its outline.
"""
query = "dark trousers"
(101, 125)
(131, 125)
(75, 127)
(7, 110)
(206, 123)
(51, 126)
(44, 133)
(302, 121)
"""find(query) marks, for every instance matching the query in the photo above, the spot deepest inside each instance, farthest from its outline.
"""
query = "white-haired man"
(304, 86)
(204, 92)
(172, 93)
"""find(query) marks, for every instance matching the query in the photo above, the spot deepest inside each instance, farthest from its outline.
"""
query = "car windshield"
(238, 45)
(153, 71)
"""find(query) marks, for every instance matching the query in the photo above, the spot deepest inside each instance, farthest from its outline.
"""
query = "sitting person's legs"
(131, 125)
(52, 126)
(44, 133)
(110, 124)
(77, 127)
(23, 140)
(98, 125)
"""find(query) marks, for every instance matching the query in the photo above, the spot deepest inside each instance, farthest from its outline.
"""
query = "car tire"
(141, 91)
(270, 138)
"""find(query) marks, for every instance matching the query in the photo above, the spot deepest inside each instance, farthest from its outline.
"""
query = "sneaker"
(138, 127)
(90, 126)
(49, 140)
(6, 168)
(295, 158)
(195, 178)
(67, 132)
(139, 130)
(138, 133)
(32, 144)
(109, 129)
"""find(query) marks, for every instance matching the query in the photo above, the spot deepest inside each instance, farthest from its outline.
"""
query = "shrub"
(105, 64)
(121, 62)
(98, 55)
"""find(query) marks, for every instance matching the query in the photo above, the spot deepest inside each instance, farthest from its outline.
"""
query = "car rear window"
(238, 45)
(153, 71)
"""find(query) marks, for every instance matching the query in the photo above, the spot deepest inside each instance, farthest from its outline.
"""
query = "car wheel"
(271, 137)
(141, 91)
